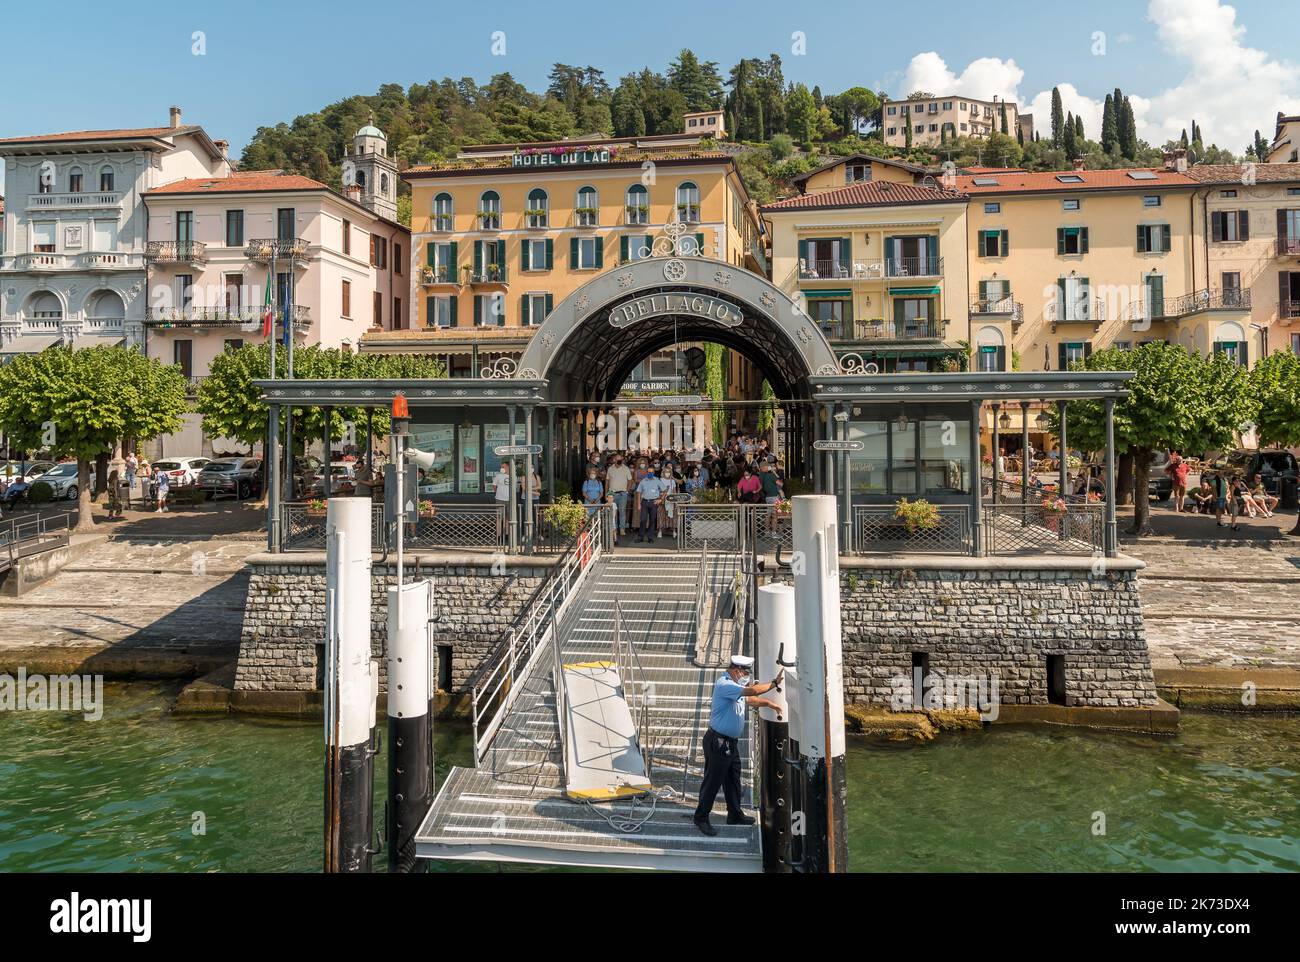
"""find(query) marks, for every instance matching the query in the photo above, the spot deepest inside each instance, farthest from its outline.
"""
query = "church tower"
(373, 171)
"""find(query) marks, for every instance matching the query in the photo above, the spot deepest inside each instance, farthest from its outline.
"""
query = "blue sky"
(270, 61)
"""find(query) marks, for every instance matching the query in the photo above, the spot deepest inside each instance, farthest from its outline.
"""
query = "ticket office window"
(926, 454)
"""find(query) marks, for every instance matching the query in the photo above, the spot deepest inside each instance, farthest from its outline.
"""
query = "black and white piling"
(351, 688)
(818, 722)
(776, 652)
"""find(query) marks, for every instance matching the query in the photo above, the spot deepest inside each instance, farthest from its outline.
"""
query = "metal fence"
(733, 527)
(876, 529)
(302, 528)
(24, 536)
(1012, 528)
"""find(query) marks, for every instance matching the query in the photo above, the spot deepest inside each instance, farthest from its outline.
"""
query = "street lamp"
(1004, 421)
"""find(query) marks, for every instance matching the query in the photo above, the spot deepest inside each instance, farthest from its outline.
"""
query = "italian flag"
(268, 310)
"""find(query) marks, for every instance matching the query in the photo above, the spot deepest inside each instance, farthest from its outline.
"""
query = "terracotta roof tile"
(1014, 182)
(871, 193)
(240, 181)
(122, 134)
(1233, 173)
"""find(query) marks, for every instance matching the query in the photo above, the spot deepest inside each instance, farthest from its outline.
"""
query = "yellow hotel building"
(504, 232)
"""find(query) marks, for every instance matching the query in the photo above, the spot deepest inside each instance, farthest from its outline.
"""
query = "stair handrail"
(632, 675)
(493, 691)
(700, 593)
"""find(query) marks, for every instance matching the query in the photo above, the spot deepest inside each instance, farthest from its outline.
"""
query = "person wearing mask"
(593, 492)
(618, 482)
(163, 487)
(769, 483)
(749, 490)
(650, 492)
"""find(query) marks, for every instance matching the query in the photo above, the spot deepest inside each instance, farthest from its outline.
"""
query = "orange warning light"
(400, 410)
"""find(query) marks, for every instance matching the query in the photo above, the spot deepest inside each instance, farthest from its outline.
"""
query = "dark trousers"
(649, 519)
(721, 770)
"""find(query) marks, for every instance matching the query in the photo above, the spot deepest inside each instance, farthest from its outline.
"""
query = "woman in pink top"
(749, 488)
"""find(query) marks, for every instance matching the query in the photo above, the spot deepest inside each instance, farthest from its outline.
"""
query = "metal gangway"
(588, 727)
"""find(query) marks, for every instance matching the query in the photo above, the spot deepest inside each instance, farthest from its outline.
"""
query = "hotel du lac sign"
(560, 157)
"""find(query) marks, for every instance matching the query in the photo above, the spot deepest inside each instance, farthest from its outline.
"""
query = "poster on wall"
(439, 440)
(494, 436)
(468, 465)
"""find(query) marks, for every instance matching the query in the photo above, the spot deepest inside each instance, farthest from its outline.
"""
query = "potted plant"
(427, 509)
(1054, 510)
(918, 515)
(781, 508)
(316, 508)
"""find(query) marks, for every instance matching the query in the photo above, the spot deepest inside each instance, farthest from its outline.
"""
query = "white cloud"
(1230, 89)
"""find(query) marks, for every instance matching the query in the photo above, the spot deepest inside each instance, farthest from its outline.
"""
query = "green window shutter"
(600, 252)
(1283, 291)
(1087, 350)
(430, 312)
(453, 265)
(699, 243)
(1243, 224)
(1062, 309)
(1062, 364)
(478, 262)
(478, 309)
(550, 253)
(1141, 238)
(846, 258)
(550, 303)
(622, 249)
(524, 256)
(454, 302)
(1083, 240)
(1086, 306)
(1281, 224)
(803, 251)
(1006, 243)
(1060, 240)
(980, 249)
(573, 253)
(1217, 220)
(1166, 237)
(1002, 359)
(523, 309)
(430, 254)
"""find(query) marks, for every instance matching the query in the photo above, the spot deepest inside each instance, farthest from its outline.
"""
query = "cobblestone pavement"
(143, 599)
(1219, 599)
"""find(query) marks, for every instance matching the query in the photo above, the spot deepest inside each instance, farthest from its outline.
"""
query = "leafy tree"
(81, 403)
(698, 82)
(801, 113)
(1275, 383)
(855, 110)
(780, 147)
(1177, 400)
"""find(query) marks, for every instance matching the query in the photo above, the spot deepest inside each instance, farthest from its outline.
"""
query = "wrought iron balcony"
(246, 318)
(821, 270)
(442, 274)
(1287, 310)
(1288, 247)
(176, 252)
(998, 307)
(488, 274)
(1171, 308)
(280, 248)
(914, 267)
(920, 329)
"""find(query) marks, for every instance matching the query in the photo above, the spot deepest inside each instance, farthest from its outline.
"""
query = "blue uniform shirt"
(727, 716)
(593, 491)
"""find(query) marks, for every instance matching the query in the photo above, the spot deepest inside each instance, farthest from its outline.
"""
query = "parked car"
(24, 470)
(1159, 484)
(236, 477)
(181, 471)
(62, 478)
(343, 479)
(1269, 466)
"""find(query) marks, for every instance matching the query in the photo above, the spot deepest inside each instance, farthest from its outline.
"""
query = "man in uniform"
(732, 695)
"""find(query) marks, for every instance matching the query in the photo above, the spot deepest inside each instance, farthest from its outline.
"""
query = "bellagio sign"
(675, 303)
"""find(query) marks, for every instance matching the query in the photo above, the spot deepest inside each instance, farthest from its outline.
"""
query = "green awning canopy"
(914, 291)
(825, 295)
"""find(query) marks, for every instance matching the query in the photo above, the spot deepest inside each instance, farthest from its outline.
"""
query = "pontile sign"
(675, 303)
(568, 157)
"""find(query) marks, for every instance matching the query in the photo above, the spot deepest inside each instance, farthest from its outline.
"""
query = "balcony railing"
(1093, 312)
(40, 261)
(914, 266)
(90, 198)
(921, 329)
(998, 307)
(488, 274)
(176, 252)
(1232, 299)
(247, 318)
(281, 248)
(824, 270)
(109, 261)
(443, 274)
(1288, 309)
(688, 213)
(637, 214)
(1288, 247)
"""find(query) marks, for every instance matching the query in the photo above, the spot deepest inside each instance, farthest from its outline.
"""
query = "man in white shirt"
(618, 482)
(651, 490)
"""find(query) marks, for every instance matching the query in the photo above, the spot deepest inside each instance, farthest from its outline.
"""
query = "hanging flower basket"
(427, 509)
(316, 508)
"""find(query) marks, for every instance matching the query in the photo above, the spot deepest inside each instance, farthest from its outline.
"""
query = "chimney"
(223, 146)
(353, 192)
(1078, 163)
(1176, 159)
(176, 117)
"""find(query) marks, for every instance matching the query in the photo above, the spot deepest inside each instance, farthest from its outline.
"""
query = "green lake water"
(121, 794)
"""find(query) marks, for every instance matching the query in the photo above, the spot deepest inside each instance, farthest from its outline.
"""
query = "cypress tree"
(1004, 116)
(1067, 138)
(1078, 132)
(1058, 117)
(1109, 129)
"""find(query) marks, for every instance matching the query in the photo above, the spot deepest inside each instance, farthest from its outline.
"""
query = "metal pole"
(529, 475)
(997, 450)
(820, 700)
(1024, 452)
(776, 650)
(329, 450)
(1112, 535)
(351, 681)
(271, 459)
(410, 720)
(977, 483)
(512, 512)
(1065, 470)
(550, 455)
(842, 433)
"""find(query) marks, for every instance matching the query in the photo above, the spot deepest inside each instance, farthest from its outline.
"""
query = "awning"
(30, 343)
(816, 295)
(914, 291)
(97, 340)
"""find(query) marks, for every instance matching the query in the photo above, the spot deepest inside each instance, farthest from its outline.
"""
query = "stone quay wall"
(983, 618)
(284, 614)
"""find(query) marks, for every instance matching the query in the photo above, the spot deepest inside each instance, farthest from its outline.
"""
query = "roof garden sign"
(561, 156)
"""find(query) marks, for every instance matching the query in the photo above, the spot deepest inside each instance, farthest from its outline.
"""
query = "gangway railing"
(635, 691)
(497, 684)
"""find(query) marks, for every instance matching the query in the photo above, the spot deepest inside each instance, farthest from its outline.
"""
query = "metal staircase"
(635, 617)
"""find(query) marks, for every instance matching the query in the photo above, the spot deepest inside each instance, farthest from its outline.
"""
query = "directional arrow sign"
(827, 445)
(517, 450)
(676, 400)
